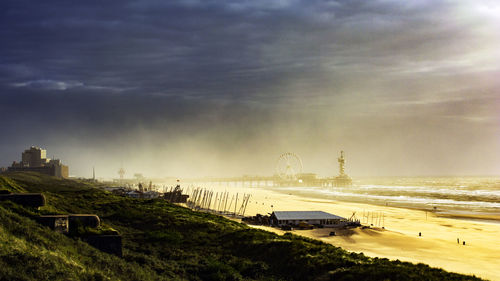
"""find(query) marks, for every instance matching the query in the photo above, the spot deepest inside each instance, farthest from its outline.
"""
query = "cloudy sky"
(223, 87)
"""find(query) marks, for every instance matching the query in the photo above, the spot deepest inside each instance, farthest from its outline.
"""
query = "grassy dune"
(163, 241)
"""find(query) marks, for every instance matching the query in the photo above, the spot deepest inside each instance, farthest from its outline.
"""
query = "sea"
(458, 195)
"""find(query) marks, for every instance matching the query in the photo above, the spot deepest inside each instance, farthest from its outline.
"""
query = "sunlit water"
(459, 194)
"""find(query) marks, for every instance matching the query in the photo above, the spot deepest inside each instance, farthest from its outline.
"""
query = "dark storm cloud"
(228, 72)
(226, 49)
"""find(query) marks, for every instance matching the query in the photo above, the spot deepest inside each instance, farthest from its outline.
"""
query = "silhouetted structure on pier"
(342, 179)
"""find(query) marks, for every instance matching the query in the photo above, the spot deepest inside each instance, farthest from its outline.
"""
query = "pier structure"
(306, 179)
(342, 179)
(288, 173)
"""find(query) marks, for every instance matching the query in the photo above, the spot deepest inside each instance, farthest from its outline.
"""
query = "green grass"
(29, 251)
(163, 241)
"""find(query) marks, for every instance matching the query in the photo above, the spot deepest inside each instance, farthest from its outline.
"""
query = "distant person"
(458, 241)
(463, 243)
(420, 234)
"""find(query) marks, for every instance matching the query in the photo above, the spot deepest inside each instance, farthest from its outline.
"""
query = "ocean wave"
(420, 200)
(441, 190)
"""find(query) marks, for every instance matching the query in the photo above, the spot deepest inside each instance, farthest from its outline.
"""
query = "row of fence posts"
(374, 218)
(218, 202)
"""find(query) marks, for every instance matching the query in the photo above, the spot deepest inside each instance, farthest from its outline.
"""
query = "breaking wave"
(471, 195)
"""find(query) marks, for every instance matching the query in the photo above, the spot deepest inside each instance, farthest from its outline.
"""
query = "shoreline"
(485, 218)
(400, 239)
(485, 214)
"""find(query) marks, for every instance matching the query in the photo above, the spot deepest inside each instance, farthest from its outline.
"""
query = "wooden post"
(246, 203)
(230, 204)
(200, 198)
(210, 202)
(225, 202)
(209, 199)
(220, 201)
(193, 198)
(240, 210)
(207, 194)
(235, 203)
(227, 199)
(205, 199)
(198, 195)
(216, 198)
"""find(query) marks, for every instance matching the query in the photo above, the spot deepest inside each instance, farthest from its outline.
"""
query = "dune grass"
(163, 241)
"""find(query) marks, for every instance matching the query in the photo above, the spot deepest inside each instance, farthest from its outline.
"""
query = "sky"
(223, 87)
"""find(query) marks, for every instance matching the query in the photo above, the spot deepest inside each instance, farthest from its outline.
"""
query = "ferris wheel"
(289, 166)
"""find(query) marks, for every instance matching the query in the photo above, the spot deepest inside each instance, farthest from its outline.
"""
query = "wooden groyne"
(222, 203)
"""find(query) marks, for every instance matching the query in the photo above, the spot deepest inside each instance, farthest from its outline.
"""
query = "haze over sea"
(448, 195)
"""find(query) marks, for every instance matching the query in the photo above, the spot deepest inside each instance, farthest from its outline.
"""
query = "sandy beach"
(399, 239)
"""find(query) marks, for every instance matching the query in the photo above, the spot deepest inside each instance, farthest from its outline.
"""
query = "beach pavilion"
(281, 218)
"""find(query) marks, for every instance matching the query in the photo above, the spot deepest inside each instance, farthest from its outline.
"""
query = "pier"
(265, 181)
(288, 173)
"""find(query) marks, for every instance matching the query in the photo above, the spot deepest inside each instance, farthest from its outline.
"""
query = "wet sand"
(400, 239)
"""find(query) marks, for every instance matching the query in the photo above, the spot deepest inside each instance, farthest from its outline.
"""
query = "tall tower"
(342, 180)
(121, 172)
(341, 160)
